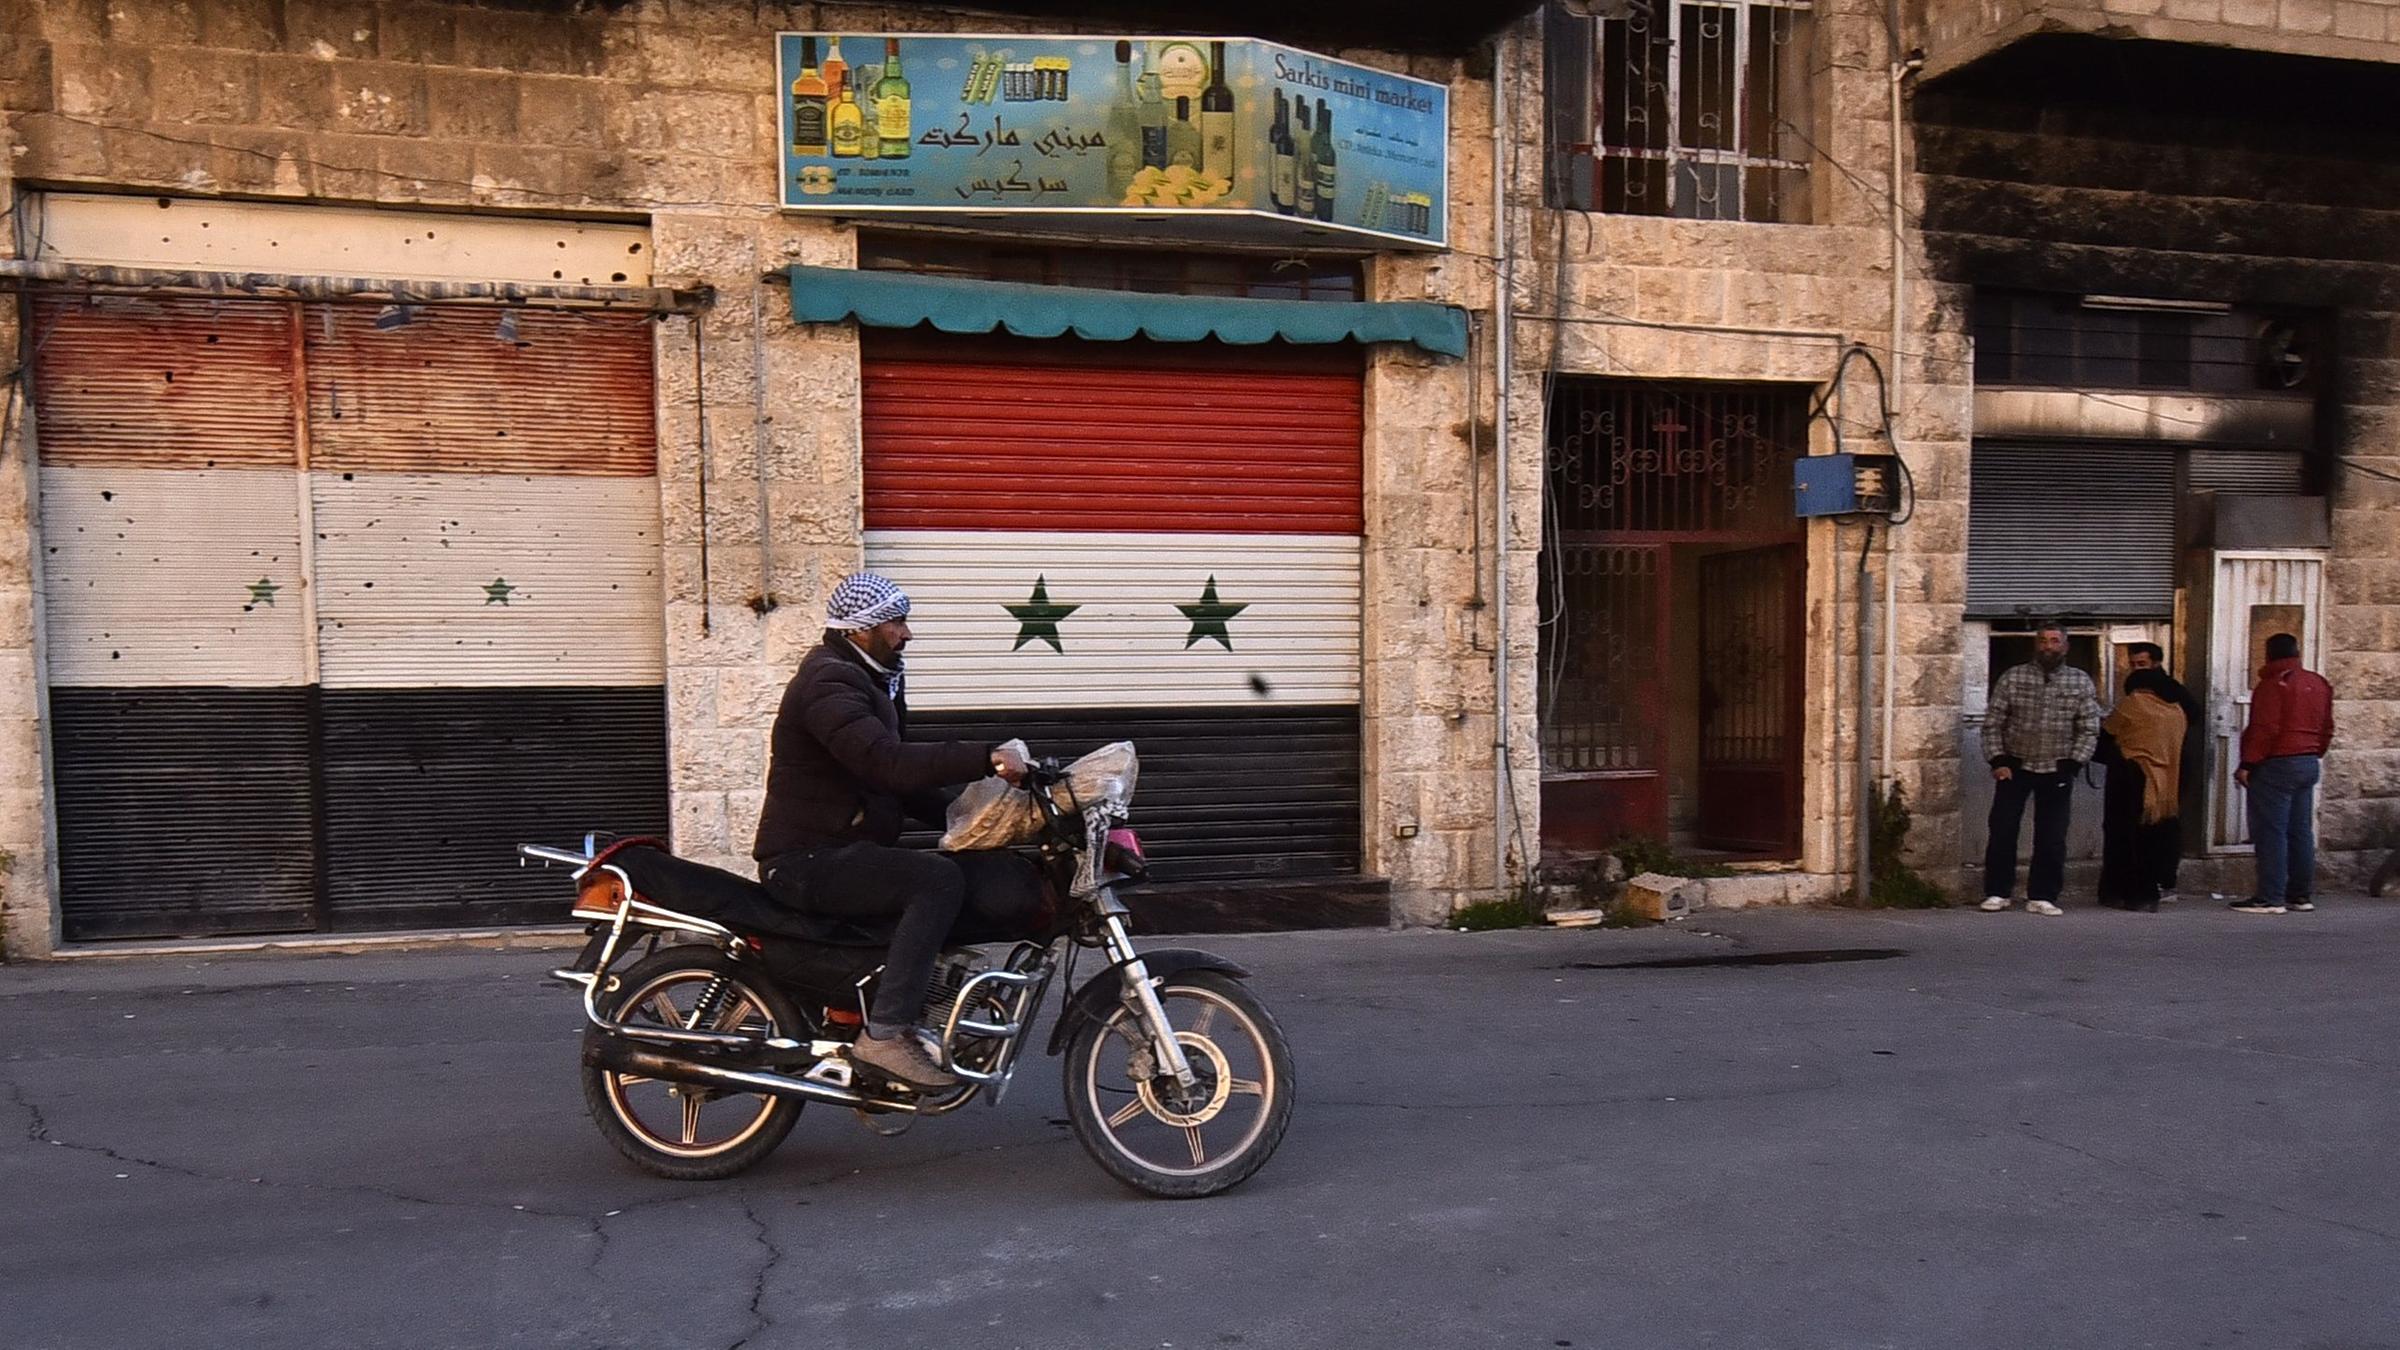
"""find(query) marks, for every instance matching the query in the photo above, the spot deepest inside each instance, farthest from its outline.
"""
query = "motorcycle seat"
(713, 893)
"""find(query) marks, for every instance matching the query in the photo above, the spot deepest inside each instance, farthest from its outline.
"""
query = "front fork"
(1141, 994)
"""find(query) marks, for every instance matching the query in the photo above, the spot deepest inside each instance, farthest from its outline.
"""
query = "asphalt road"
(2105, 1130)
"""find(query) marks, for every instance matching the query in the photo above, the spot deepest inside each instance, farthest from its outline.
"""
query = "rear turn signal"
(597, 896)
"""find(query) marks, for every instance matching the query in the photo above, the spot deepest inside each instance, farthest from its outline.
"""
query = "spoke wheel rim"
(1183, 1145)
(687, 1120)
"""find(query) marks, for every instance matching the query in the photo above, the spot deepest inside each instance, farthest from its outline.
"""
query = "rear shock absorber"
(709, 1004)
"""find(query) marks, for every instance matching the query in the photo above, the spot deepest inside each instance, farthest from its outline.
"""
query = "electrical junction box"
(1845, 485)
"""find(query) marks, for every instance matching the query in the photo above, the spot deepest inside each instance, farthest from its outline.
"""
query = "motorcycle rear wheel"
(682, 1131)
(1148, 1132)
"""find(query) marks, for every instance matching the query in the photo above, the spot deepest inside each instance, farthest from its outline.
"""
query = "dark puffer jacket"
(840, 771)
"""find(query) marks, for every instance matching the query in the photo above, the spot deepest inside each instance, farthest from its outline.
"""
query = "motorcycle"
(699, 1055)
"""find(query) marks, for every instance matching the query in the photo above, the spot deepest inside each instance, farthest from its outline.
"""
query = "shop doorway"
(1671, 619)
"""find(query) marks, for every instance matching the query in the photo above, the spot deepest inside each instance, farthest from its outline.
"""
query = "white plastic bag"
(992, 814)
(1103, 778)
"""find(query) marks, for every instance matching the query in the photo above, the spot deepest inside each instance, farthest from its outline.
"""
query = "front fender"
(1100, 992)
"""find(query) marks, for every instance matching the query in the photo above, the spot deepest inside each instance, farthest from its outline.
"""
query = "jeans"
(2053, 796)
(2283, 829)
(925, 893)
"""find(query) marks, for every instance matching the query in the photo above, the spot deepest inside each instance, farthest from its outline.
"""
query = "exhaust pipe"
(619, 1056)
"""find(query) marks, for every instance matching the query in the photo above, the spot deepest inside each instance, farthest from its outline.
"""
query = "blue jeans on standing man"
(2283, 826)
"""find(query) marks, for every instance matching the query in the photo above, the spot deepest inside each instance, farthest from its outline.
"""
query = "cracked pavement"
(2104, 1130)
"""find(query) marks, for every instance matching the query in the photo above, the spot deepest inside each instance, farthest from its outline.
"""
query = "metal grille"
(1746, 712)
(1693, 118)
(1690, 461)
(1603, 637)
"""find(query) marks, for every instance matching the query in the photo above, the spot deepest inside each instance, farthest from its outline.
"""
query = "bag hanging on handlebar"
(991, 814)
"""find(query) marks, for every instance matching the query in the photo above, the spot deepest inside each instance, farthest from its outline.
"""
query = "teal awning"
(965, 305)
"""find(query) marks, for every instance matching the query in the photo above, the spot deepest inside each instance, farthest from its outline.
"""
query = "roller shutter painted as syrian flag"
(339, 611)
(1144, 542)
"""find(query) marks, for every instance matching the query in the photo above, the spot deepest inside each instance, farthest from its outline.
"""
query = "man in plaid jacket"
(2039, 730)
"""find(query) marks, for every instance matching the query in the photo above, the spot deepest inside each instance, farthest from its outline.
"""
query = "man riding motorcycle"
(841, 780)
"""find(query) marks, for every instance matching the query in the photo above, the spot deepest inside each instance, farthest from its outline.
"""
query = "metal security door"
(1750, 700)
(1604, 711)
(2258, 594)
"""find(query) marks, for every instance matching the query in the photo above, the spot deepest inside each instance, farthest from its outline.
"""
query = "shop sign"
(1160, 130)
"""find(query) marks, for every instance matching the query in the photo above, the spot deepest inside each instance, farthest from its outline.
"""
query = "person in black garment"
(841, 782)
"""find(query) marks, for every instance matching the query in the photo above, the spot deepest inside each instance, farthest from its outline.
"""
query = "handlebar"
(545, 854)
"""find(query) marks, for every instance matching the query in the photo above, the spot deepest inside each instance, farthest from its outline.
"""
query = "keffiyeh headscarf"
(863, 600)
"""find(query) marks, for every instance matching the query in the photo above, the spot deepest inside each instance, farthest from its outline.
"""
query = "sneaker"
(2043, 908)
(2168, 897)
(1993, 904)
(2254, 907)
(2301, 906)
(902, 1057)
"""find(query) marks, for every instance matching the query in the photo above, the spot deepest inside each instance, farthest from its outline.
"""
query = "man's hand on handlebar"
(1009, 764)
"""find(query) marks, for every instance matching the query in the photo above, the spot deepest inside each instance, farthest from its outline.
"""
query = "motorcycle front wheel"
(682, 1131)
(1149, 1131)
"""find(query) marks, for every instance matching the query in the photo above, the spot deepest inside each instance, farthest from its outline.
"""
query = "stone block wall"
(1960, 31)
(1684, 300)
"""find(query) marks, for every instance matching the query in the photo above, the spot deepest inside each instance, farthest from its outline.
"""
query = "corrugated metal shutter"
(1132, 438)
(447, 392)
(2071, 529)
(1159, 543)
(1273, 794)
(489, 609)
(470, 579)
(2251, 472)
(428, 792)
(173, 604)
(1129, 641)
(172, 577)
(164, 383)
(483, 517)
(183, 812)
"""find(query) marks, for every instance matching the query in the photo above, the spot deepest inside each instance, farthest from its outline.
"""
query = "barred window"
(1689, 109)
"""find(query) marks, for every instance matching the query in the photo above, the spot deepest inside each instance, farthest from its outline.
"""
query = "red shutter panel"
(155, 383)
(1121, 436)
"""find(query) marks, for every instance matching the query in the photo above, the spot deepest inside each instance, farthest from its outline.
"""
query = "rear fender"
(1101, 992)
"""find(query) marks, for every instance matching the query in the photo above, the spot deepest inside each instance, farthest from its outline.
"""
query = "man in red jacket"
(2283, 748)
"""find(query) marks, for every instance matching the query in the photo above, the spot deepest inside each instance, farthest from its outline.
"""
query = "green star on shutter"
(262, 592)
(1209, 617)
(498, 592)
(1037, 619)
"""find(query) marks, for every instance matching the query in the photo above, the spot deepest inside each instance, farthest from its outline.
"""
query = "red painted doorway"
(1671, 618)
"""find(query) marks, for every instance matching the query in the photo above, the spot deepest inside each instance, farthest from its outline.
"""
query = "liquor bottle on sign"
(1304, 164)
(809, 104)
(1279, 180)
(848, 126)
(837, 70)
(891, 103)
(1154, 122)
(1325, 176)
(1124, 128)
(1183, 139)
(1216, 118)
(870, 132)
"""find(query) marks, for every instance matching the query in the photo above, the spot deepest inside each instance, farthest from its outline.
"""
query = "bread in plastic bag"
(992, 814)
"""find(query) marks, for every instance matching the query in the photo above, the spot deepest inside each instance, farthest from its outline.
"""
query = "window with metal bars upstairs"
(1676, 108)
